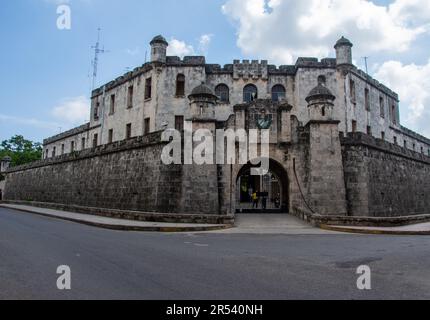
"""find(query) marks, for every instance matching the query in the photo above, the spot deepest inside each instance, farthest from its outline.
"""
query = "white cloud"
(179, 48)
(412, 84)
(72, 111)
(204, 43)
(282, 30)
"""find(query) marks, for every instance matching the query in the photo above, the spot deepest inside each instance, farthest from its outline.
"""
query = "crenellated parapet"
(250, 69)
(186, 61)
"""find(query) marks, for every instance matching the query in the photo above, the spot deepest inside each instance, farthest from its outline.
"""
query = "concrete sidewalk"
(116, 224)
(415, 229)
(245, 224)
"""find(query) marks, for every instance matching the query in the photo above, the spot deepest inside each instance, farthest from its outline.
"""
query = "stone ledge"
(119, 146)
(318, 220)
(132, 215)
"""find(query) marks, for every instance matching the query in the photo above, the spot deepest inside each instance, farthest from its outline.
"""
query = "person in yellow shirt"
(254, 200)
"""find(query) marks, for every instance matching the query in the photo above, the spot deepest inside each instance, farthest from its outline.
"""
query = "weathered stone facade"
(336, 144)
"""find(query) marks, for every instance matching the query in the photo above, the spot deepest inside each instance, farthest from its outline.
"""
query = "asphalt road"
(128, 265)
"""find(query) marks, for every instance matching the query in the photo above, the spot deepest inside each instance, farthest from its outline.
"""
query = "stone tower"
(326, 177)
(343, 52)
(200, 180)
(159, 49)
(202, 103)
(4, 164)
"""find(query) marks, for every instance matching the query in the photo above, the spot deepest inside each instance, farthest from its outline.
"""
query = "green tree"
(21, 151)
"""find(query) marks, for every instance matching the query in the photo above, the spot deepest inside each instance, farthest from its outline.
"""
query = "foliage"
(20, 150)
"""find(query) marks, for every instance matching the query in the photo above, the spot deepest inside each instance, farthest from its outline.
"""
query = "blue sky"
(45, 83)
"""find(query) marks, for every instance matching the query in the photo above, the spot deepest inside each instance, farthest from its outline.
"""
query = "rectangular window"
(180, 85)
(369, 130)
(72, 146)
(112, 104)
(110, 136)
(83, 144)
(383, 135)
(422, 150)
(381, 107)
(96, 111)
(413, 146)
(179, 123)
(54, 151)
(352, 90)
(354, 126)
(62, 149)
(395, 141)
(47, 154)
(147, 125)
(393, 114)
(367, 99)
(130, 97)
(128, 131)
(148, 88)
(405, 144)
(95, 140)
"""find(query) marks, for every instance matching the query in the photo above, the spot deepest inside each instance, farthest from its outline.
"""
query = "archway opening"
(262, 194)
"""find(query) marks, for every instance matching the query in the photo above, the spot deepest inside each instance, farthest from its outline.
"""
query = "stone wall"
(383, 179)
(126, 175)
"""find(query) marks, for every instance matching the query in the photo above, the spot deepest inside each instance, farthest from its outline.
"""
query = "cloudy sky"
(45, 71)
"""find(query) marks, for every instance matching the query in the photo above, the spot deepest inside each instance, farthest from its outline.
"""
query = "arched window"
(278, 93)
(180, 85)
(322, 80)
(223, 93)
(250, 93)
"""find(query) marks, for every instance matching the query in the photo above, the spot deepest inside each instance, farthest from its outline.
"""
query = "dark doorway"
(262, 194)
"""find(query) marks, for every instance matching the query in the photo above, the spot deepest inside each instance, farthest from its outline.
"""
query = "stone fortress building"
(337, 146)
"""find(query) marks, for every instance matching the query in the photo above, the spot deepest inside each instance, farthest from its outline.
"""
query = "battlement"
(186, 61)
(217, 69)
(250, 69)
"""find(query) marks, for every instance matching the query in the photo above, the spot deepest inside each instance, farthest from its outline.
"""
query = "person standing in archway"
(264, 202)
(255, 200)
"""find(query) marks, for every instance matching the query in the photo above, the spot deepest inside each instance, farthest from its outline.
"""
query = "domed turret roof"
(343, 42)
(202, 90)
(159, 39)
(320, 92)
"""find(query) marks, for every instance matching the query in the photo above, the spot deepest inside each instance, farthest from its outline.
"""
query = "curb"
(124, 227)
(375, 231)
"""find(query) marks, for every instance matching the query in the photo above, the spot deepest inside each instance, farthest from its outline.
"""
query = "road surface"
(130, 265)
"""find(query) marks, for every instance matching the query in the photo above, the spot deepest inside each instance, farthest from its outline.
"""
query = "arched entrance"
(271, 190)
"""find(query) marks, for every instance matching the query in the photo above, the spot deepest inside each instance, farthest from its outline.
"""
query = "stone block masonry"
(384, 180)
(126, 175)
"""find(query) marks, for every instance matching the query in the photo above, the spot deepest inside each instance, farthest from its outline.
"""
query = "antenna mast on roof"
(365, 64)
(97, 52)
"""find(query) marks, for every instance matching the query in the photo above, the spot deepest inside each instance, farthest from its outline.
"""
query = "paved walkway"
(273, 224)
(116, 224)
